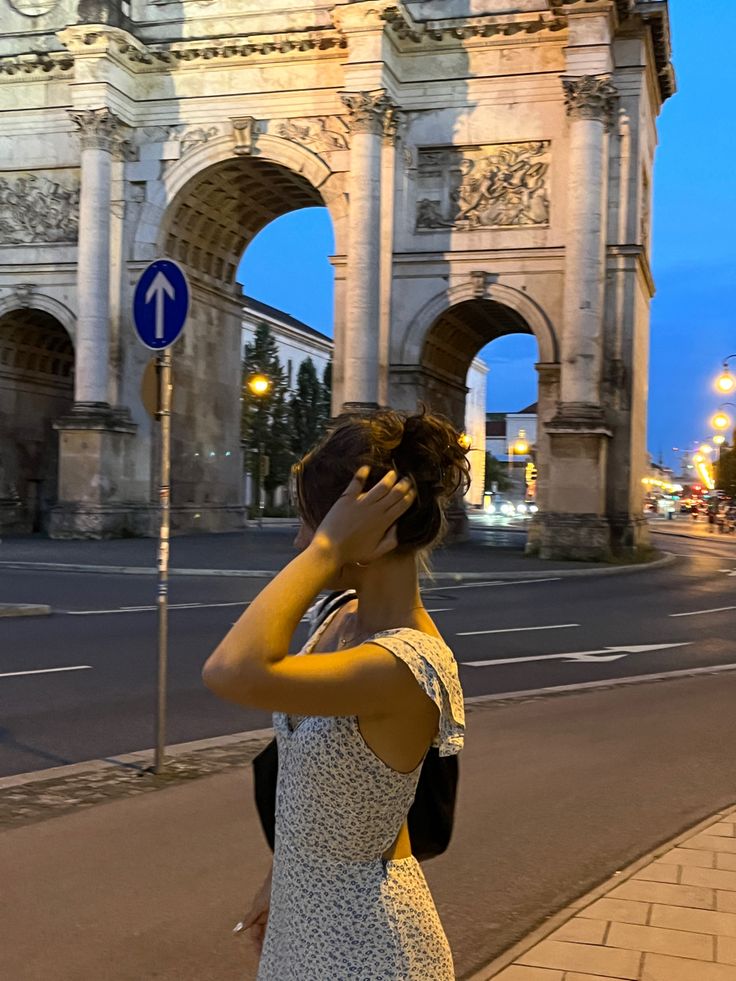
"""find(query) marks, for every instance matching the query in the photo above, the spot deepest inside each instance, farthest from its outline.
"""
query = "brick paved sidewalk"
(673, 919)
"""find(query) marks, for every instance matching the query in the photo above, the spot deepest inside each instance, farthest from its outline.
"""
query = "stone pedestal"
(94, 443)
(573, 524)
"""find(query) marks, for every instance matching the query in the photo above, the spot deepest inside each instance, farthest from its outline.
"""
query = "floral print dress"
(339, 911)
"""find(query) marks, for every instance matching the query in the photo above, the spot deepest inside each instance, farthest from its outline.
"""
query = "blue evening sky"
(694, 248)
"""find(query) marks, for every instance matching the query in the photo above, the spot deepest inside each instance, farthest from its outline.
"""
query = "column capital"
(590, 97)
(99, 129)
(367, 111)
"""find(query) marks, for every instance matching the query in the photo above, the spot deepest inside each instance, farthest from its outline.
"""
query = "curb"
(24, 610)
(668, 558)
(139, 761)
(716, 537)
(558, 919)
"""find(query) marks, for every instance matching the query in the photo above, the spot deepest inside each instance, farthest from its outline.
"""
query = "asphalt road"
(80, 684)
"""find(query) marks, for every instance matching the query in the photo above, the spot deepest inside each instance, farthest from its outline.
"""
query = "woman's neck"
(388, 595)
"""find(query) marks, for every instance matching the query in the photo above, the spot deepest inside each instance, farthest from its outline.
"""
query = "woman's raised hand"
(361, 526)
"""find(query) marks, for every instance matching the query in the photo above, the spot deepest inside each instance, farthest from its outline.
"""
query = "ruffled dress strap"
(434, 666)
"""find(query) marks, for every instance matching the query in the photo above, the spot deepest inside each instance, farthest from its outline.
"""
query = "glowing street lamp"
(464, 440)
(721, 420)
(259, 385)
(726, 382)
(719, 439)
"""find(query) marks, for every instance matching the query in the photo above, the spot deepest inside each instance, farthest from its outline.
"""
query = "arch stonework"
(462, 156)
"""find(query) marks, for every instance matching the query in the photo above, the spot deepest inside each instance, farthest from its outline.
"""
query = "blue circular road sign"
(161, 304)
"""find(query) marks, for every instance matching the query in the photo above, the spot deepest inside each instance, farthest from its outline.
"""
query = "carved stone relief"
(39, 207)
(319, 133)
(499, 185)
(33, 8)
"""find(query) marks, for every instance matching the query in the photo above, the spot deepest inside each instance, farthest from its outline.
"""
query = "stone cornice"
(42, 64)
(450, 32)
(139, 57)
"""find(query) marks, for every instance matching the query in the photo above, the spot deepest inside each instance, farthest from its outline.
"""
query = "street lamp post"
(260, 386)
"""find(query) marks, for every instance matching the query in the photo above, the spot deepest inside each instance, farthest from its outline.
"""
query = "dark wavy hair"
(422, 446)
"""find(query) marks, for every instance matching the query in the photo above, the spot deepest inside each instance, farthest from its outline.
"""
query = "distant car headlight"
(533, 508)
(507, 509)
(521, 508)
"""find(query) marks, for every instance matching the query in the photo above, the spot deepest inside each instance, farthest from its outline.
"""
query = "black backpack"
(432, 813)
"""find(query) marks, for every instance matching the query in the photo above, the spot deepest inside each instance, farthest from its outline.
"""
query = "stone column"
(574, 525)
(589, 100)
(366, 112)
(98, 131)
(97, 485)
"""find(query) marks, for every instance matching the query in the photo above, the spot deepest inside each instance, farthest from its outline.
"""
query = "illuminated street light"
(726, 382)
(259, 384)
(705, 448)
(719, 439)
(521, 446)
(722, 420)
(464, 440)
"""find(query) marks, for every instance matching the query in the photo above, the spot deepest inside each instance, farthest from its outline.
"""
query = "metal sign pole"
(164, 414)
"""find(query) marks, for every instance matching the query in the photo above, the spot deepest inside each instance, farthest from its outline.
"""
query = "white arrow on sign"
(158, 287)
(604, 654)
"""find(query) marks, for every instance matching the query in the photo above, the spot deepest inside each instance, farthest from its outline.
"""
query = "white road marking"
(442, 609)
(729, 572)
(700, 613)
(515, 630)
(149, 609)
(75, 667)
(497, 582)
(604, 654)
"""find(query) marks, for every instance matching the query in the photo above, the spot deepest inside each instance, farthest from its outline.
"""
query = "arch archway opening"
(458, 375)
(36, 389)
(208, 228)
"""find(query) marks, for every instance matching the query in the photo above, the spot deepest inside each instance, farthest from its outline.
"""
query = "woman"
(347, 901)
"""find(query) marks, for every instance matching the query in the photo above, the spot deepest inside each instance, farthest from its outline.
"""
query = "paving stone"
(660, 967)
(518, 973)
(661, 941)
(663, 892)
(712, 843)
(697, 920)
(620, 910)
(712, 878)
(581, 930)
(576, 976)
(690, 856)
(584, 958)
(726, 901)
(722, 829)
(726, 950)
(659, 872)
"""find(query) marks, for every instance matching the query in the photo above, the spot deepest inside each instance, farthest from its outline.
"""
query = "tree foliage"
(286, 425)
(496, 474)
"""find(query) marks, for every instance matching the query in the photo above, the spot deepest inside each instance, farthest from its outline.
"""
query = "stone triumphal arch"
(487, 165)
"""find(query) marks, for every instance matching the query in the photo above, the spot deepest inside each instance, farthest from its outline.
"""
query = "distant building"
(475, 427)
(295, 340)
(504, 429)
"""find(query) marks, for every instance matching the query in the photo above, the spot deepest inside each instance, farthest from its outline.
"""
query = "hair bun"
(431, 453)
